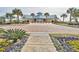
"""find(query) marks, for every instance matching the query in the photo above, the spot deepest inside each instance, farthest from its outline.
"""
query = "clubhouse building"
(40, 18)
(28, 18)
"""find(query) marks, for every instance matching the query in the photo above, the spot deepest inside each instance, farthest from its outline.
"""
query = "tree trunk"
(63, 19)
(70, 18)
(76, 20)
(33, 18)
(10, 19)
(55, 20)
(45, 20)
(18, 18)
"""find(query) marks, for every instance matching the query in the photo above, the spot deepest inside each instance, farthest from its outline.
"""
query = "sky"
(28, 10)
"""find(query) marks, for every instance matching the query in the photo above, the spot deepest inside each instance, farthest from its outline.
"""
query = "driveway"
(40, 27)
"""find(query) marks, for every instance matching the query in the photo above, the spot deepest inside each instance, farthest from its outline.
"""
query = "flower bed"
(74, 44)
(12, 40)
(65, 42)
(16, 47)
(3, 44)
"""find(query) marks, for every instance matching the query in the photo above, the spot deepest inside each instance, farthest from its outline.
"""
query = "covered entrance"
(41, 20)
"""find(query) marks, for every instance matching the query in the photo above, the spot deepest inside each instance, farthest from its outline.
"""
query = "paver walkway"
(39, 42)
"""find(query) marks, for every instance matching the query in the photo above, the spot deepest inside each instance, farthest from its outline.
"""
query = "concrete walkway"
(39, 42)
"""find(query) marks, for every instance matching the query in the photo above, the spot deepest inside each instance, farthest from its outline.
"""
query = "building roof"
(38, 17)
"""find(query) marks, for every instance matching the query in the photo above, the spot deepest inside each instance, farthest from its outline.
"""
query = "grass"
(74, 25)
(62, 23)
(63, 34)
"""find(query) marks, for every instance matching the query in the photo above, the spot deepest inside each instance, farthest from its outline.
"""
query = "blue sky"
(27, 10)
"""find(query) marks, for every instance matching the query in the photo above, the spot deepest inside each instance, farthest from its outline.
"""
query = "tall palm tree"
(10, 16)
(64, 16)
(17, 12)
(70, 11)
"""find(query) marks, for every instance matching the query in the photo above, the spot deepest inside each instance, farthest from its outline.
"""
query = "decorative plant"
(15, 34)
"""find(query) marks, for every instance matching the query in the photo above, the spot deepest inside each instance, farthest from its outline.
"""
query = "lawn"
(72, 24)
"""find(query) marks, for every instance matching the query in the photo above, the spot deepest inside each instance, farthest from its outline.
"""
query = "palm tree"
(33, 15)
(70, 11)
(46, 14)
(2, 19)
(10, 16)
(76, 14)
(64, 16)
(55, 18)
(17, 12)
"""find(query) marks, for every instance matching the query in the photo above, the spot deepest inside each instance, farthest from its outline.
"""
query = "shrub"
(2, 30)
(15, 34)
(2, 49)
(74, 44)
(4, 42)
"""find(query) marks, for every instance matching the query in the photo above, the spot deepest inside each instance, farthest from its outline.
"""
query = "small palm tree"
(2, 20)
(33, 15)
(17, 12)
(46, 14)
(10, 16)
(64, 16)
(55, 18)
